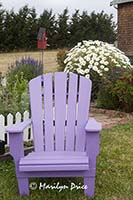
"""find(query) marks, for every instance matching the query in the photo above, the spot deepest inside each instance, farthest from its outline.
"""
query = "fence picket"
(9, 120)
(2, 127)
(9, 123)
(31, 133)
(26, 131)
(18, 118)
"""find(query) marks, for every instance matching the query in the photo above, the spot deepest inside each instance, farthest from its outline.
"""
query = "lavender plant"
(28, 66)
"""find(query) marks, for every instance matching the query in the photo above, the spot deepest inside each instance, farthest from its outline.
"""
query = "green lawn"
(114, 172)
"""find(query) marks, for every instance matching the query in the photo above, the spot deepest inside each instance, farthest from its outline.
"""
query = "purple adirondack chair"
(66, 140)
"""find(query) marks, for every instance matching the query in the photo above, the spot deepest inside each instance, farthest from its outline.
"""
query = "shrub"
(105, 98)
(96, 84)
(95, 60)
(61, 56)
(16, 98)
(97, 56)
(117, 93)
(28, 66)
(123, 88)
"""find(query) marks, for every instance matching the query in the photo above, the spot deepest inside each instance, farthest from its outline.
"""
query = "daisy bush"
(95, 56)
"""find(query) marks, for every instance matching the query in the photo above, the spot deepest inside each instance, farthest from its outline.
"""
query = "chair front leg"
(92, 148)
(23, 185)
(90, 182)
(17, 152)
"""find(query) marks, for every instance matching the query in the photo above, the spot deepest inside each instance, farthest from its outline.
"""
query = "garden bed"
(110, 118)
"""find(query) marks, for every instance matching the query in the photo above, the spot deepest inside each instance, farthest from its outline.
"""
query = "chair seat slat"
(54, 162)
(49, 168)
(57, 153)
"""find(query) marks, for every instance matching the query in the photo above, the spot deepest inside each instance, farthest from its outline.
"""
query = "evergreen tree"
(18, 31)
(102, 27)
(85, 26)
(63, 30)
(75, 28)
(2, 38)
(10, 31)
(23, 23)
(32, 29)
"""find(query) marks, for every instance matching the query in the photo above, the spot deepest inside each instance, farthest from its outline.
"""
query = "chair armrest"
(93, 126)
(18, 128)
(16, 140)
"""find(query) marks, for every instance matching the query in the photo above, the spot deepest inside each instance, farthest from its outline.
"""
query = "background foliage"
(18, 31)
(116, 91)
(112, 91)
(27, 66)
(14, 96)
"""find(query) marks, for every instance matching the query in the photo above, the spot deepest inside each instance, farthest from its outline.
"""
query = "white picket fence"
(9, 120)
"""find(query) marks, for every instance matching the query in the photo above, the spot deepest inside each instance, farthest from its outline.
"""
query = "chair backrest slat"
(36, 112)
(71, 112)
(59, 111)
(48, 112)
(82, 117)
(60, 80)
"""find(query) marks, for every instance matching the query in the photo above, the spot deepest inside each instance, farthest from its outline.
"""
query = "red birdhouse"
(42, 38)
